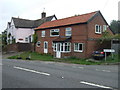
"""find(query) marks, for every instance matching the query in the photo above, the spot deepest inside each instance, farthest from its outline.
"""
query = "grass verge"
(48, 57)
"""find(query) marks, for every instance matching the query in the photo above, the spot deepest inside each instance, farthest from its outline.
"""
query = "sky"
(32, 9)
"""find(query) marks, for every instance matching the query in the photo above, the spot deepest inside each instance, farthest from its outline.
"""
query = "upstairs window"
(43, 34)
(97, 29)
(104, 28)
(54, 32)
(68, 31)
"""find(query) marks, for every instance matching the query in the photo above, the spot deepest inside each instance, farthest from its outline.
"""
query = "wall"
(20, 47)
(91, 34)
(22, 33)
(78, 36)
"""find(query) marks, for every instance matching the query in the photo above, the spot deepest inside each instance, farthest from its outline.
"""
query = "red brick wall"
(95, 45)
(91, 27)
(79, 35)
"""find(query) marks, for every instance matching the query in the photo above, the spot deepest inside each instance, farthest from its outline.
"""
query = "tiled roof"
(68, 21)
(24, 23)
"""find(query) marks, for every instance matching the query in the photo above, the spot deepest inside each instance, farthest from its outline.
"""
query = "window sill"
(78, 51)
(97, 33)
(54, 36)
(64, 51)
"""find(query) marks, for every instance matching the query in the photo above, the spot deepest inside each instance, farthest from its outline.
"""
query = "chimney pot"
(43, 15)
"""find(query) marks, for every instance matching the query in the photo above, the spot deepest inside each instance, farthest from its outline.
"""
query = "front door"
(58, 50)
(45, 47)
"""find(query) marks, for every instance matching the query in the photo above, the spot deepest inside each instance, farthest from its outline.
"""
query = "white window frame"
(104, 28)
(42, 33)
(37, 43)
(68, 45)
(69, 29)
(99, 31)
(78, 47)
(54, 30)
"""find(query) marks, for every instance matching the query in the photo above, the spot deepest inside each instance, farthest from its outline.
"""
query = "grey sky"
(31, 9)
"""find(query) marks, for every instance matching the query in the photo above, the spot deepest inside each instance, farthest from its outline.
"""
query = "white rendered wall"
(22, 33)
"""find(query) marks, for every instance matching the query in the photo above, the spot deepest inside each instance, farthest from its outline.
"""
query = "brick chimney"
(43, 14)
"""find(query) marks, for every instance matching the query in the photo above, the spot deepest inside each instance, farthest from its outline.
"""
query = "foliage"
(4, 38)
(9, 35)
(115, 25)
(105, 37)
(35, 38)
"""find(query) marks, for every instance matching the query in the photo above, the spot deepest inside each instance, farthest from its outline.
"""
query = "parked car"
(98, 55)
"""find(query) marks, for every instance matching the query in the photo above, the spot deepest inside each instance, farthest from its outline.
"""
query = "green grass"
(33, 55)
(74, 60)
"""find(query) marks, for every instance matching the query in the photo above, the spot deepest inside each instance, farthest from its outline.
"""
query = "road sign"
(109, 50)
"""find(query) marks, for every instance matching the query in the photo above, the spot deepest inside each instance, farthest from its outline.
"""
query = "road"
(39, 74)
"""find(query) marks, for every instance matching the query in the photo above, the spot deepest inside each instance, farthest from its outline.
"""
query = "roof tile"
(67, 21)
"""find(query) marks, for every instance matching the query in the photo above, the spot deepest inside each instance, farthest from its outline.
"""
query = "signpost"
(108, 50)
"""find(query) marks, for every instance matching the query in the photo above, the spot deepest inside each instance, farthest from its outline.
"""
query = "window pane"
(43, 34)
(45, 45)
(76, 46)
(80, 46)
(61, 46)
(55, 46)
(97, 28)
(68, 32)
(54, 32)
(38, 43)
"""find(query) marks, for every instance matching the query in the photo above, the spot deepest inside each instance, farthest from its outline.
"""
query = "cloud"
(31, 9)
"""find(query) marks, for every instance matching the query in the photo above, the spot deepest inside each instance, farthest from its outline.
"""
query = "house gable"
(99, 20)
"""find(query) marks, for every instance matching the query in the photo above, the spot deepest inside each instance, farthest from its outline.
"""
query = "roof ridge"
(79, 15)
(22, 19)
(69, 20)
(44, 17)
(74, 16)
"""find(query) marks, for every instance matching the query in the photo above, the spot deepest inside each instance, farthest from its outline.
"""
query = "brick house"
(73, 36)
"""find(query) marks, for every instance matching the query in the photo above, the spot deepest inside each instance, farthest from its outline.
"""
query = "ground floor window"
(78, 47)
(38, 44)
(62, 47)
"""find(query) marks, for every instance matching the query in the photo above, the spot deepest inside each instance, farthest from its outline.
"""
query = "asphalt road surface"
(39, 74)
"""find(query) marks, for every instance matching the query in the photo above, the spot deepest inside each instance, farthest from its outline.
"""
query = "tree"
(115, 26)
(4, 38)
(35, 38)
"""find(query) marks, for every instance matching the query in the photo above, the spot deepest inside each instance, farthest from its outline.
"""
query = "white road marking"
(78, 67)
(92, 84)
(81, 67)
(29, 70)
(103, 70)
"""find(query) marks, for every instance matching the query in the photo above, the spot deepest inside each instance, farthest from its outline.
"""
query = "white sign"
(109, 50)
